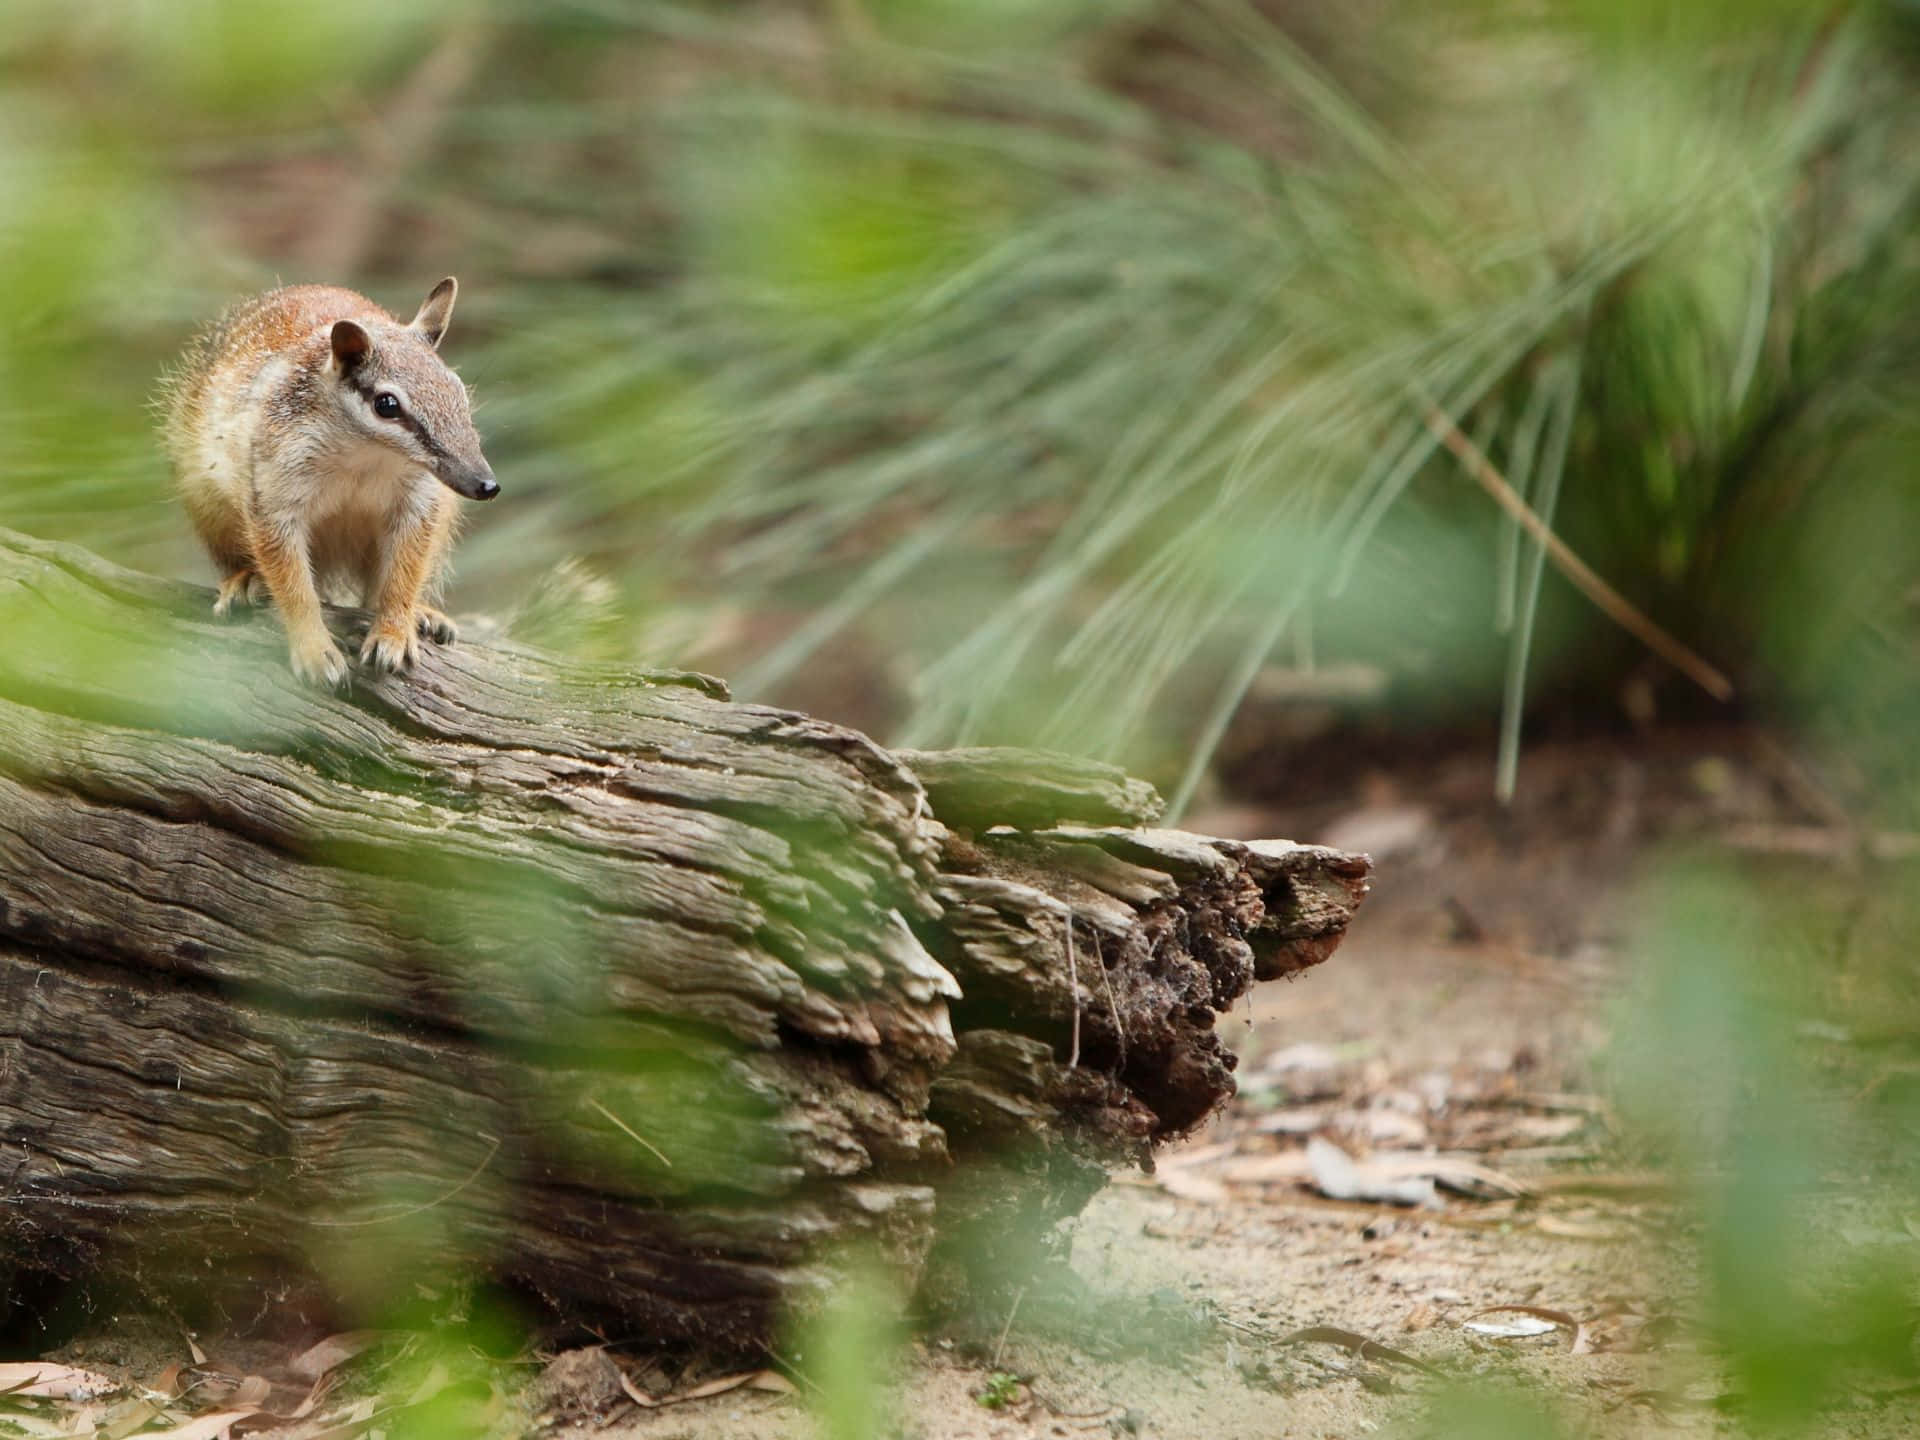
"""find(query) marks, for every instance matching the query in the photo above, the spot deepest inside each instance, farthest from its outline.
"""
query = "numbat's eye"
(387, 405)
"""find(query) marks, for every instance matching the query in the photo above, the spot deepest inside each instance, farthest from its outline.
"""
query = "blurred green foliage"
(1063, 364)
(1760, 1020)
(849, 1351)
(1056, 364)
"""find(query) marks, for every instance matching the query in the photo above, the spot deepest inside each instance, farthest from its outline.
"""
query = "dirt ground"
(1462, 1027)
(1403, 1014)
(1468, 1012)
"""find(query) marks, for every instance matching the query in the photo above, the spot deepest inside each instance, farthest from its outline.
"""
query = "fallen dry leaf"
(123, 1419)
(1391, 1127)
(721, 1386)
(348, 1423)
(1359, 1344)
(1545, 1129)
(167, 1382)
(1340, 1177)
(1306, 1055)
(1466, 1176)
(1471, 1178)
(1537, 1320)
(315, 1429)
(1294, 1120)
(207, 1427)
(1569, 1229)
(1267, 1169)
(314, 1396)
(55, 1382)
(635, 1393)
(1187, 1185)
(1195, 1155)
(753, 1379)
(333, 1352)
(250, 1394)
(83, 1420)
(1525, 1327)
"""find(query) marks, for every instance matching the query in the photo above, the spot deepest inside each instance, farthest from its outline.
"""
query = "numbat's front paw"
(391, 644)
(318, 661)
(436, 626)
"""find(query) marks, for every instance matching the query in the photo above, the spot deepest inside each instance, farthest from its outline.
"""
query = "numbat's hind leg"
(245, 586)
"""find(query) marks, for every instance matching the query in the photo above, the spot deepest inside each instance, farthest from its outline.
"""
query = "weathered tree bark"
(649, 1004)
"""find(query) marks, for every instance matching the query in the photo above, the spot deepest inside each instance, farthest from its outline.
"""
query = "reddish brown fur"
(294, 484)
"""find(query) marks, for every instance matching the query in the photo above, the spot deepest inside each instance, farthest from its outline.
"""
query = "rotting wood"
(649, 1004)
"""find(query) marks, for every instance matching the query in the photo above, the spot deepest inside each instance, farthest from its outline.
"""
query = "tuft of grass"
(1060, 375)
(1000, 1390)
(1075, 358)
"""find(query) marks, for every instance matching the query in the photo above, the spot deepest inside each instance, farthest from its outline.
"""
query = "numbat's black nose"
(476, 483)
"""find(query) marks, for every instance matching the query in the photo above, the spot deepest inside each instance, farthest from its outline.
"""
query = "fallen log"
(652, 1006)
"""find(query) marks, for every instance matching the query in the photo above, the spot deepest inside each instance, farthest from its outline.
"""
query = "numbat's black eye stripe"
(405, 417)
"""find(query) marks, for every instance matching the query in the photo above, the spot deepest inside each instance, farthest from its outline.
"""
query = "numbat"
(318, 444)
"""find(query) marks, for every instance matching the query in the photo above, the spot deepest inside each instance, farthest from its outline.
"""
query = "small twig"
(1060, 1412)
(1113, 1005)
(631, 1133)
(1610, 602)
(1007, 1329)
(1358, 1344)
(421, 1209)
(1073, 979)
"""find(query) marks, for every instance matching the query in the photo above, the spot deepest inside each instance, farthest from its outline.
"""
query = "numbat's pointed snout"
(476, 482)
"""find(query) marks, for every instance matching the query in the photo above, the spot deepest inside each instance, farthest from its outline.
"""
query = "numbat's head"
(397, 392)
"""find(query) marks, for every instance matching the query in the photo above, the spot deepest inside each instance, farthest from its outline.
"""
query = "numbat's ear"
(431, 322)
(351, 344)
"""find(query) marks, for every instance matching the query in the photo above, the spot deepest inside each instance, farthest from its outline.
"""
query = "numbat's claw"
(391, 645)
(318, 661)
(436, 626)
